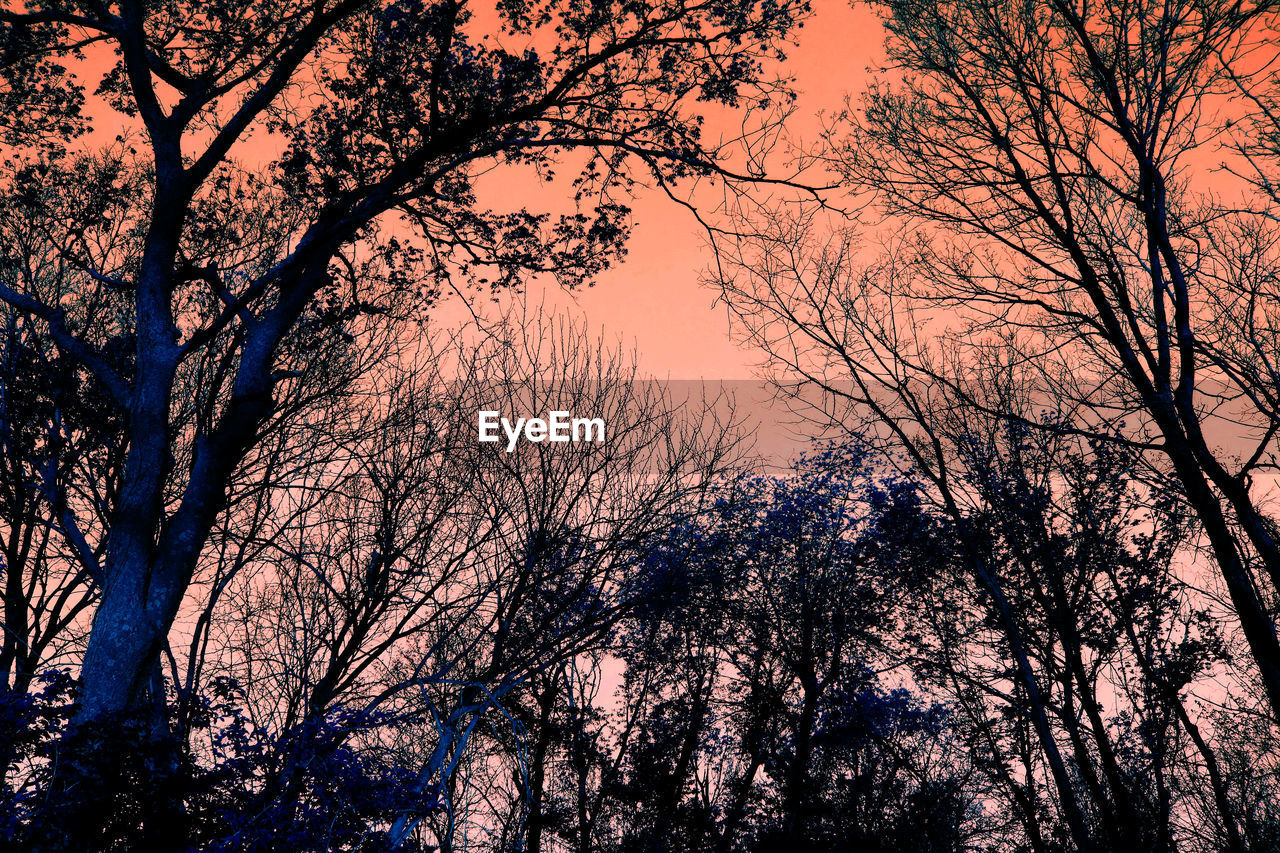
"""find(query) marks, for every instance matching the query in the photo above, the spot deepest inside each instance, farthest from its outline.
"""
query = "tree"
(383, 112)
(380, 598)
(1045, 167)
(752, 713)
(1060, 147)
(1078, 578)
(1068, 551)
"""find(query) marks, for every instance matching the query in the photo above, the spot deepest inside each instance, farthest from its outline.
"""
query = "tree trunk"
(796, 805)
(538, 766)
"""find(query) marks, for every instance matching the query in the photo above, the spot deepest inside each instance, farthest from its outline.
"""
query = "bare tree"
(1045, 166)
(1022, 482)
(393, 563)
(1059, 146)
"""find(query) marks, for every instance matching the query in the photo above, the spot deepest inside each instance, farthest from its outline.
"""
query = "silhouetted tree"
(1051, 159)
(401, 103)
(380, 116)
(753, 717)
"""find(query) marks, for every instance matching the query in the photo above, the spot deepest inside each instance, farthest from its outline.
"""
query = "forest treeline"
(263, 589)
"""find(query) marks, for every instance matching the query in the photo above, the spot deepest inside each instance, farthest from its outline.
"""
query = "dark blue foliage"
(241, 788)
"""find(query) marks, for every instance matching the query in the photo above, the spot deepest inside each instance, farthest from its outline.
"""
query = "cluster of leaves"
(313, 787)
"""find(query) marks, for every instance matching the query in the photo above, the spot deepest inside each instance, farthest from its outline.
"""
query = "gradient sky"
(653, 300)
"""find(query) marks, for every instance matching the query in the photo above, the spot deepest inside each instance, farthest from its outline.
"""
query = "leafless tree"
(397, 563)
(1018, 475)
(384, 111)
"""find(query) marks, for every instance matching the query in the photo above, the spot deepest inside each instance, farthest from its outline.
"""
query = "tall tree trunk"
(538, 766)
(1037, 709)
(672, 791)
(796, 800)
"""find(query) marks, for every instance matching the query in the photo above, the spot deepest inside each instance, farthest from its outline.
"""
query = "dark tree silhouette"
(189, 264)
(1054, 158)
(263, 589)
(379, 110)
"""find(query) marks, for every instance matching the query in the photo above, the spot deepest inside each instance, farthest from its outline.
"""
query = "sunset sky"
(653, 299)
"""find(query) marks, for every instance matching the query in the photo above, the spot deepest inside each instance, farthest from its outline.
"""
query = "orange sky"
(653, 299)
